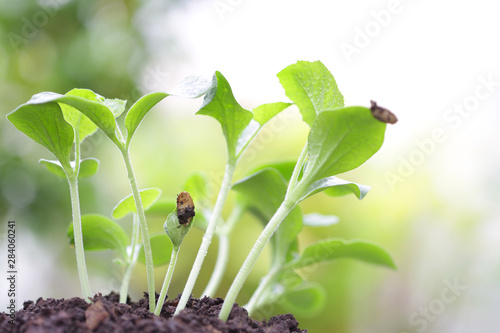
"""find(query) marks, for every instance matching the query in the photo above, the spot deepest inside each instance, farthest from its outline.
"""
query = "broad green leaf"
(198, 186)
(161, 248)
(342, 140)
(45, 124)
(127, 205)
(306, 300)
(336, 248)
(80, 122)
(220, 104)
(189, 87)
(335, 187)
(139, 110)
(88, 167)
(289, 279)
(117, 106)
(263, 113)
(319, 220)
(101, 234)
(311, 86)
(263, 192)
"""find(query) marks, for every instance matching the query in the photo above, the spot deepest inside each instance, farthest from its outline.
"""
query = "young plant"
(240, 127)
(59, 127)
(341, 139)
(177, 225)
(50, 129)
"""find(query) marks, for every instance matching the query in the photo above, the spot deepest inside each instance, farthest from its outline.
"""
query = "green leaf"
(336, 248)
(306, 301)
(198, 186)
(45, 124)
(319, 220)
(311, 86)
(139, 110)
(127, 205)
(88, 167)
(80, 122)
(263, 192)
(220, 104)
(161, 247)
(117, 106)
(101, 234)
(263, 113)
(189, 87)
(342, 140)
(335, 187)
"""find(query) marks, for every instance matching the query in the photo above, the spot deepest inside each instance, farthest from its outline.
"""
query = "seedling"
(340, 139)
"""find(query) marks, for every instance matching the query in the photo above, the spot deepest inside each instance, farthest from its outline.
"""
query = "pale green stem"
(223, 252)
(77, 230)
(168, 278)
(256, 299)
(247, 266)
(144, 228)
(207, 237)
(131, 262)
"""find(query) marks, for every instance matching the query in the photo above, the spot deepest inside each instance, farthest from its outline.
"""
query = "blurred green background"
(433, 204)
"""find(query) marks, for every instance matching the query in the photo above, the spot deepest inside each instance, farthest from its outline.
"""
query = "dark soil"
(105, 314)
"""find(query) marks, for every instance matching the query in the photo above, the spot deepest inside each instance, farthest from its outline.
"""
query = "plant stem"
(223, 252)
(207, 237)
(144, 228)
(77, 229)
(168, 278)
(296, 171)
(255, 301)
(247, 266)
(77, 152)
(131, 262)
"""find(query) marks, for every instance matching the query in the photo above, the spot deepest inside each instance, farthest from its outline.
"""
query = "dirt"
(105, 314)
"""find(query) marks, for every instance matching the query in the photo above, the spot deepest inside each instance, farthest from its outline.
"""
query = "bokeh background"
(434, 202)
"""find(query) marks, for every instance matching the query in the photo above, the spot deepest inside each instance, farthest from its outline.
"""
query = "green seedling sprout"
(341, 139)
(177, 225)
(240, 127)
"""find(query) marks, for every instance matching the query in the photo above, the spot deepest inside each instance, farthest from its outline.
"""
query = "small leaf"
(306, 301)
(336, 248)
(197, 185)
(88, 167)
(127, 205)
(220, 104)
(342, 140)
(161, 248)
(101, 234)
(319, 220)
(139, 110)
(117, 106)
(311, 86)
(80, 122)
(263, 113)
(45, 124)
(175, 230)
(335, 187)
(54, 167)
(289, 280)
